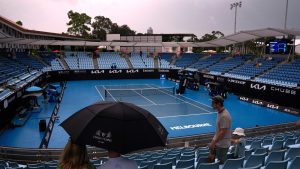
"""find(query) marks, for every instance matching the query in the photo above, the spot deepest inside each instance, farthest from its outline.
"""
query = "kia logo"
(258, 86)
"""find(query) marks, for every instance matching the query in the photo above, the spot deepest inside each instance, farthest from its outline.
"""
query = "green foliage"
(79, 24)
(19, 23)
(212, 36)
(172, 38)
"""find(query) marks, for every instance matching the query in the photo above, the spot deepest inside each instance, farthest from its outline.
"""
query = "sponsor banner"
(190, 126)
(49, 129)
(270, 105)
(207, 76)
(148, 70)
(79, 71)
(97, 72)
(115, 71)
(258, 86)
(63, 72)
(164, 70)
(236, 81)
(132, 71)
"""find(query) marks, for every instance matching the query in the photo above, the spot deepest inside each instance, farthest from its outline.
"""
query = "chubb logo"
(102, 137)
(115, 71)
(258, 86)
(132, 71)
(97, 72)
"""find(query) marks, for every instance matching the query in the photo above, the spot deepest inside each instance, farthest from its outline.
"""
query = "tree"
(102, 25)
(79, 24)
(19, 23)
(212, 36)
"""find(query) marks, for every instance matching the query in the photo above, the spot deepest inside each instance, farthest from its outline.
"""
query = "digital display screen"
(278, 46)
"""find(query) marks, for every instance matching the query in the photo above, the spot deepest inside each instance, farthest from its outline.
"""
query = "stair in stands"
(95, 62)
(128, 62)
(155, 59)
(63, 62)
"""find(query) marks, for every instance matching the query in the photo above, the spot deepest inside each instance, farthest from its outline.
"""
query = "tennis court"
(182, 115)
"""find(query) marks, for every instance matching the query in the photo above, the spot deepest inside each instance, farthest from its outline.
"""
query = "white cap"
(239, 131)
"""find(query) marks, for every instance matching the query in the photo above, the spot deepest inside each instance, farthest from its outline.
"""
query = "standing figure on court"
(222, 139)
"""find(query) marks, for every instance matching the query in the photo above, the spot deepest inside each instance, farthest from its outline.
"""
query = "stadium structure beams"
(239, 37)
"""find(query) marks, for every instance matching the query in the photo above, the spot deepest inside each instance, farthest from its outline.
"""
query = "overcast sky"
(164, 16)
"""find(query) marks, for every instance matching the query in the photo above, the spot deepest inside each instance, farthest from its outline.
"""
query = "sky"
(164, 16)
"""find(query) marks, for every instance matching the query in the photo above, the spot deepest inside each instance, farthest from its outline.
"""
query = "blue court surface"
(182, 115)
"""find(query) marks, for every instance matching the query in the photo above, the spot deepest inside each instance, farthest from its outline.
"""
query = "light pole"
(235, 5)
(286, 13)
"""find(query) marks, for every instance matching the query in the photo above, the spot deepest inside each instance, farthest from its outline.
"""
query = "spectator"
(222, 138)
(239, 143)
(115, 161)
(74, 156)
(298, 124)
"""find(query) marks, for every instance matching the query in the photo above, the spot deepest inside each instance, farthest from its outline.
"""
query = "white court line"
(160, 104)
(122, 85)
(109, 93)
(195, 101)
(99, 93)
(143, 96)
(186, 115)
(186, 102)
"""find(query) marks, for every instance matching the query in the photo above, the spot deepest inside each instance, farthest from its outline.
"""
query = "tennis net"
(119, 93)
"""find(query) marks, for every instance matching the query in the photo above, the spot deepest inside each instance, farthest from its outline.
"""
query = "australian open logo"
(102, 137)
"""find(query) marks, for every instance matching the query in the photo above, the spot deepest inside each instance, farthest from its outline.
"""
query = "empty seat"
(185, 163)
(292, 153)
(276, 165)
(163, 166)
(294, 164)
(275, 156)
(255, 159)
(208, 166)
(255, 167)
(233, 163)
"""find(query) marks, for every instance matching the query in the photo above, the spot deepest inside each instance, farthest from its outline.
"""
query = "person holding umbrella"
(118, 127)
(74, 156)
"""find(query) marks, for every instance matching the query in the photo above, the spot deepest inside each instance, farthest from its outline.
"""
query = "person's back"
(116, 161)
(119, 163)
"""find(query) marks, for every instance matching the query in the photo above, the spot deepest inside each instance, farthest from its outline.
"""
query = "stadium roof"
(224, 41)
(249, 35)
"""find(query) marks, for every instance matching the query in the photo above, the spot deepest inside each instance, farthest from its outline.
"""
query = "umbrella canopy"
(56, 51)
(118, 126)
(34, 89)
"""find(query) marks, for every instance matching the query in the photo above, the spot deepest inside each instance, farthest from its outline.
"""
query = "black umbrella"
(118, 126)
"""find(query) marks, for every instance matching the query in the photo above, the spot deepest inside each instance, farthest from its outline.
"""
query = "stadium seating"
(254, 68)
(286, 74)
(106, 59)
